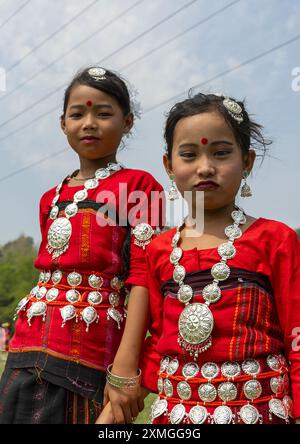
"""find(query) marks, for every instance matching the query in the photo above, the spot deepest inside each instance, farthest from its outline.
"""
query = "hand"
(125, 403)
(106, 416)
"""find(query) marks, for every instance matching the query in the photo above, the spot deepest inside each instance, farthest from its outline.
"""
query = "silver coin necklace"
(196, 322)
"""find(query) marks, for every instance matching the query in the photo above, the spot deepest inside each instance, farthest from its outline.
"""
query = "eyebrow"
(195, 145)
(103, 105)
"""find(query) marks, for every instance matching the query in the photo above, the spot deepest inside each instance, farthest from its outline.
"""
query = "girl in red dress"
(94, 235)
(225, 294)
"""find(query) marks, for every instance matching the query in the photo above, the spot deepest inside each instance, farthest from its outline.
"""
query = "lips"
(89, 139)
(206, 185)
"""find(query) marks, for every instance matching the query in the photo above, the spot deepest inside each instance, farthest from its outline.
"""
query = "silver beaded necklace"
(196, 322)
(60, 231)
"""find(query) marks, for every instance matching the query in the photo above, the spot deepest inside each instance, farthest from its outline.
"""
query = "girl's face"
(206, 157)
(94, 123)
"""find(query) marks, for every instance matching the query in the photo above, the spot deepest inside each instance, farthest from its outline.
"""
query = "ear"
(249, 160)
(167, 164)
(63, 124)
(128, 123)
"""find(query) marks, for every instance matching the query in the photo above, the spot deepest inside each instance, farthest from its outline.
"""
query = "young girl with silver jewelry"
(224, 301)
(70, 325)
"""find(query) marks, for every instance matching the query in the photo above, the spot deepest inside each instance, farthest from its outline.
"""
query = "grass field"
(143, 417)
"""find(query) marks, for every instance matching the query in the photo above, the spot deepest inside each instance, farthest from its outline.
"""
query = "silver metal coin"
(116, 283)
(249, 414)
(175, 239)
(59, 233)
(252, 389)
(168, 388)
(227, 250)
(95, 281)
(222, 415)
(207, 392)
(158, 407)
(184, 390)
(89, 315)
(278, 408)
(238, 217)
(273, 362)
(190, 370)
(54, 212)
(71, 210)
(210, 370)
(177, 414)
(220, 271)
(211, 292)
(185, 293)
(90, 184)
(230, 369)
(41, 292)
(74, 279)
(102, 173)
(57, 276)
(164, 364)
(251, 367)
(227, 391)
(67, 312)
(80, 195)
(172, 366)
(94, 298)
(277, 385)
(143, 232)
(179, 273)
(114, 299)
(73, 296)
(233, 232)
(160, 385)
(52, 294)
(198, 414)
(176, 255)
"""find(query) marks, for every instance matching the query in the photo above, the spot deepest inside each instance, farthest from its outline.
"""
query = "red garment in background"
(248, 323)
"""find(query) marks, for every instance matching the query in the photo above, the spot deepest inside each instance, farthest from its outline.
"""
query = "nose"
(205, 167)
(89, 121)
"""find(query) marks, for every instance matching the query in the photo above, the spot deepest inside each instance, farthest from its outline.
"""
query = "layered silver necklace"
(196, 321)
(60, 231)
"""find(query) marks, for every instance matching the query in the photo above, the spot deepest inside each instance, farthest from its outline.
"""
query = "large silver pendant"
(198, 414)
(195, 323)
(37, 309)
(58, 237)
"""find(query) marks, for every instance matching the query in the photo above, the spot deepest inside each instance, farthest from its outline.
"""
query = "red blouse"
(249, 322)
(92, 249)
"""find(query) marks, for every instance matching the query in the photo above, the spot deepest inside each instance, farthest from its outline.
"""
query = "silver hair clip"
(234, 109)
(97, 73)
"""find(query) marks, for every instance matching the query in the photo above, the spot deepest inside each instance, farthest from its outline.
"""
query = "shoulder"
(139, 178)
(277, 231)
(48, 196)
(162, 242)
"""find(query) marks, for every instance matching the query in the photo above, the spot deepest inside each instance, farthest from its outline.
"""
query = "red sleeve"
(286, 285)
(147, 206)
(150, 358)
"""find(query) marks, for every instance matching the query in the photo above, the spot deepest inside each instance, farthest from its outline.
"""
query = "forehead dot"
(89, 103)
(204, 140)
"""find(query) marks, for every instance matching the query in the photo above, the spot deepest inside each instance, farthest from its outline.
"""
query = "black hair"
(112, 84)
(247, 133)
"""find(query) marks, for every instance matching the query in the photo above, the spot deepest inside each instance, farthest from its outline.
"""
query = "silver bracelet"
(121, 382)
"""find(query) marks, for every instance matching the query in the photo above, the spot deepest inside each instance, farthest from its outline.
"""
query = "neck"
(217, 217)
(88, 167)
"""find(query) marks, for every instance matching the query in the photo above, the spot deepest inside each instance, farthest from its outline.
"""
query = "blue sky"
(229, 38)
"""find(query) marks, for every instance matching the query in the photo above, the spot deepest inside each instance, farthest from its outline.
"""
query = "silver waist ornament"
(60, 231)
(196, 321)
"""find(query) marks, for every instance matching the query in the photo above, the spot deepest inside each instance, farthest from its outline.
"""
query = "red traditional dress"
(73, 333)
(251, 372)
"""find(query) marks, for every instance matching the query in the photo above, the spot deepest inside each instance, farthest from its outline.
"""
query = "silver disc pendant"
(68, 312)
(175, 255)
(179, 273)
(230, 369)
(90, 184)
(37, 309)
(207, 392)
(175, 239)
(252, 389)
(227, 250)
(168, 388)
(177, 414)
(172, 366)
(73, 296)
(71, 210)
(222, 415)
(143, 232)
(94, 298)
(233, 232)
(211, 293)
(52, 294)
(34, 291)
(210, 370)
(89, 315)
(44, 277)
(227, 391)
(251, 367)
(238, 217)
(74, 279)
(56, 276)
(164, 363)
(54, 212)
(21, 306)
(116, 283)
(278, 408)
(220, 271)
(160, 385)
(95, 281)
(184, 390)
(115, 315)
(249, 414)
(277, 385)
(158, 408)
(273, 362)
(196, 323)
(198, 414)
(59, 235)
(114, 299)
(41, 292)
(102, 173)
(80, 195)
(185, 293)
(190, 370)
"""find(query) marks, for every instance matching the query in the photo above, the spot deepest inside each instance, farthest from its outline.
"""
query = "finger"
(134, 410)
(118, 414)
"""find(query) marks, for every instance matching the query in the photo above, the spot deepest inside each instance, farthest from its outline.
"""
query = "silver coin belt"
(221, 387)
(79, 296)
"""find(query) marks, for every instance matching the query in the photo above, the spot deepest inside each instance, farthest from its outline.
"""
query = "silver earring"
(173, 193)
(245, 190)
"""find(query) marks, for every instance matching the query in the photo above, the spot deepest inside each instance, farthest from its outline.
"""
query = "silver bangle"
(121, 381)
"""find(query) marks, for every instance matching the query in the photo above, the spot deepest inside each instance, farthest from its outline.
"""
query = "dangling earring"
(245, 190)
(173, 193)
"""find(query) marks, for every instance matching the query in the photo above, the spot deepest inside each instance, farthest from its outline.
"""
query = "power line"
(14, 14)
(104, 59)
(222, 74)
(81, 42)
(51, 36)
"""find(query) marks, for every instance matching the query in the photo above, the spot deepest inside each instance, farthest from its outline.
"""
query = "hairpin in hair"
(97, 73)
(234, 109)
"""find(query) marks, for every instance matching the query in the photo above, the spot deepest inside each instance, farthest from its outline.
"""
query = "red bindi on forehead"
(204, 141)
(89, 103)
